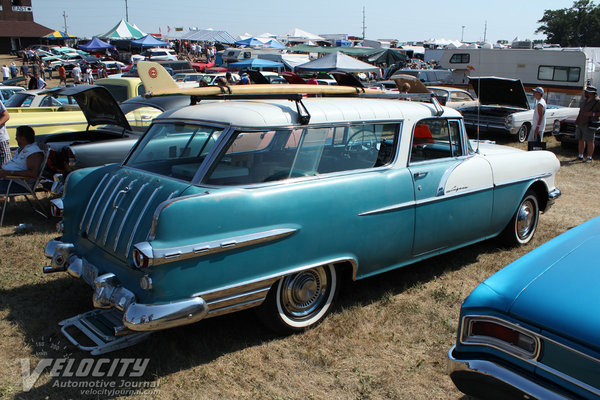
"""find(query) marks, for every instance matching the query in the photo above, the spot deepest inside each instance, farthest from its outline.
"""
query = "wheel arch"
(541, 191)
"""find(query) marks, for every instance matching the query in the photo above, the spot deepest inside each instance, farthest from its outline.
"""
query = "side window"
(435, 138)
(255, 157)
(50, 101)
(460, 58)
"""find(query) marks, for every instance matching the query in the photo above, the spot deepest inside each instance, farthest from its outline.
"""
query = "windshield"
(174, 149)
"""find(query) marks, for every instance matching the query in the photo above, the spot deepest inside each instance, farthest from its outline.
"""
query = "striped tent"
(123, 30)
(58, 35)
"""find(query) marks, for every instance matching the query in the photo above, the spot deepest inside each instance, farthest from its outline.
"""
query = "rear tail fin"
(156, 79)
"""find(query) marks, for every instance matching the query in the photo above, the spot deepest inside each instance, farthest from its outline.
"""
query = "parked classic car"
(44, 112)
(159, 53)
(532, 330)
(6, 92)
(123, 88)
(564, 131)
(506, 109)
(231, 204)
(453, 97)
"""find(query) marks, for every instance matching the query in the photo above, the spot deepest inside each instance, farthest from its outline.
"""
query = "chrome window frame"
(463, 143)
(203, 171)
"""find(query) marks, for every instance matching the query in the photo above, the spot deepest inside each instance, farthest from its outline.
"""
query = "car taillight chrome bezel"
(494, 332)
(142, 255)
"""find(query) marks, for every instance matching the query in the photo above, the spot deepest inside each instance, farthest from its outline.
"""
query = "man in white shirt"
(25, 163)
(5, 72)
(76, 73)
(539, 117)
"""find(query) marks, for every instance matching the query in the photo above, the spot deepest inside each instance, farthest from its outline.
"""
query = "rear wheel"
(523, 224)
(300, 301)
(523, 133)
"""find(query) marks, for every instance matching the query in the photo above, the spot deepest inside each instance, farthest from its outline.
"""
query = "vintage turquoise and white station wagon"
(227, 205)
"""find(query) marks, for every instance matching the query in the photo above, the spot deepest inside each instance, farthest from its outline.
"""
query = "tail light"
(70, 158)
(142, 255)
(500, 334)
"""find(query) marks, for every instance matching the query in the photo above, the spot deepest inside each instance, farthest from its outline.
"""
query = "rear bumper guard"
(118, 314)
(553, 195)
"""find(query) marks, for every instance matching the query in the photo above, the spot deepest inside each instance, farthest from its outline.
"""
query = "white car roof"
(272, 113)
(12, 87)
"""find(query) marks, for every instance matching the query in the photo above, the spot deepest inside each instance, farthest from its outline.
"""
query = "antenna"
(363, 24)
(126, 12)
(65, 19)
(479, 95)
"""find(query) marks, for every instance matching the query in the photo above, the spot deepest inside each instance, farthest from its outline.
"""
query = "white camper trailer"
(563, 73)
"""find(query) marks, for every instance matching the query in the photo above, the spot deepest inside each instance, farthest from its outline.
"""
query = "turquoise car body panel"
(553, 292)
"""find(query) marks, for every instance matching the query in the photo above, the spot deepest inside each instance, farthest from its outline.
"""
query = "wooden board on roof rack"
(158, 82)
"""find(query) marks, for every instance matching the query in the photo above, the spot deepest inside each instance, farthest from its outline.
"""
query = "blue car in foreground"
(532, 330)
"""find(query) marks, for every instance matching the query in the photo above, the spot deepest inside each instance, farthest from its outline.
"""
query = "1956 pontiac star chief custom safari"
(266, 200)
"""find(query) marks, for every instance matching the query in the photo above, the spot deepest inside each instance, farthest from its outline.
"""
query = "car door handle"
(420, 175)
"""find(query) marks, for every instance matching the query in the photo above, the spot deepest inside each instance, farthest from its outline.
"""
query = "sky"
(384, 19)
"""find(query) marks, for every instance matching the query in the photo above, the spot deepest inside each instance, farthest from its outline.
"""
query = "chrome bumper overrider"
(475, 377)
(553, 195)
(109, 293)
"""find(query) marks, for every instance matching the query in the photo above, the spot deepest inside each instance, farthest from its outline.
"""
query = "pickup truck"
(269, 199)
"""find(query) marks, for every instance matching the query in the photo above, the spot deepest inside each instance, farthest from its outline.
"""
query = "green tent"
(123, 30)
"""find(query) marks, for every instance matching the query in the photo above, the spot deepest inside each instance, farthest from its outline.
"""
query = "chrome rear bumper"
(109, 293)
(486, 379)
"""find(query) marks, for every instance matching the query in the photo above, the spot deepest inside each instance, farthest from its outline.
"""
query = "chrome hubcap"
(304, 293)
(526, 219)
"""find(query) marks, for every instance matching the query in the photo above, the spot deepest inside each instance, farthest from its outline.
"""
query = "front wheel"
(523, 133)
(300, 301)
(523, 224)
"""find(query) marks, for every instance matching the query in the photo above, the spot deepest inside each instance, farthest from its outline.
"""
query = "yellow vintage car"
(122, 88)
(44, 112)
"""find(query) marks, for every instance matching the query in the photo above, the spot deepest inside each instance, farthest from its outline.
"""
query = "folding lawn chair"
(19, 186)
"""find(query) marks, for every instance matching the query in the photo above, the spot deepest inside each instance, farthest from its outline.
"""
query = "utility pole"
(462, 36)
(363, 25)
(65, 19)
(485, 33)
(126, 12)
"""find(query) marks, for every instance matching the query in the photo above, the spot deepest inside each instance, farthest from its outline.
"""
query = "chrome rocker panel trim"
(487, 371)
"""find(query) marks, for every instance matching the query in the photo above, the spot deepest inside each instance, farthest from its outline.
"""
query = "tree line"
(577, 26)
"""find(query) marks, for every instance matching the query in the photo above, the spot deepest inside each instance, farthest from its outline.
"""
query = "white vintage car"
(453, 97)
(505, 107)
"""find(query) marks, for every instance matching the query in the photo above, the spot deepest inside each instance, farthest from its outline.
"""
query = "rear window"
(174, 150)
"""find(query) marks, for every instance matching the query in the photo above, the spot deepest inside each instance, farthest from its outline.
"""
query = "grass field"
(387, 338)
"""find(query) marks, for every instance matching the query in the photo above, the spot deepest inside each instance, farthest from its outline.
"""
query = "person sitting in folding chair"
(26, 161)
(23, 169)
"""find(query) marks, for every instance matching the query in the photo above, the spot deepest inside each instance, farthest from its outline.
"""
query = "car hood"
(96, 103)
(555, 287)
(500, 91)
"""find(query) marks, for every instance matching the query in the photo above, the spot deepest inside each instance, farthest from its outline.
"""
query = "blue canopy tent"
(251, 41)
(274, 44)
(256, 63)
(148, 41)
(95, 45)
